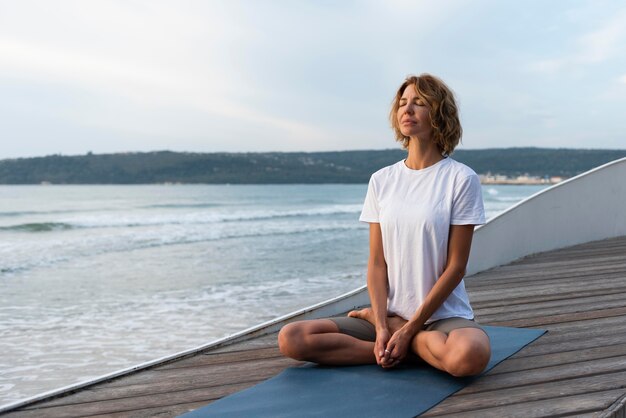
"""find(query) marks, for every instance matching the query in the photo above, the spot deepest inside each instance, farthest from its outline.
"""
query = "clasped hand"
(390, 350)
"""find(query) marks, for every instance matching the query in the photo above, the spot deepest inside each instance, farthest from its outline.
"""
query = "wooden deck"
(578, 368)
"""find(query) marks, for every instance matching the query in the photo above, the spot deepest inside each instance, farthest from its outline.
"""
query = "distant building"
(524, 179)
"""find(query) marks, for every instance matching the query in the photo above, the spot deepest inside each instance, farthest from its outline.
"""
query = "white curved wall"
(588, 207)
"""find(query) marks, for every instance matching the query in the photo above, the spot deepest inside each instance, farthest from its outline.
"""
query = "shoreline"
(519, 183)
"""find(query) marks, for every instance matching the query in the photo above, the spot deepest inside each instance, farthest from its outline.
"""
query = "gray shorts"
(363, 330)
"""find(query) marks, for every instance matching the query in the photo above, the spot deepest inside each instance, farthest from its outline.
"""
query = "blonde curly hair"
(444, 113)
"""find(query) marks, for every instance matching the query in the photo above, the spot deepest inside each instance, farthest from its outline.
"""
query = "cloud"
(547, 66)
(240, 75)
(605, 42)
(597, 46)
(149, 86)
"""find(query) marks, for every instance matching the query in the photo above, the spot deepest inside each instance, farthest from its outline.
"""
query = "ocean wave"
(161, 323)
(38, 227)
(17, 259)
(209, 217)
(193, 218)
(181, 205)
(16, 213)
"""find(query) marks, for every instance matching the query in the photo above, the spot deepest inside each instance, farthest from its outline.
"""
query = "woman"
(422, 212)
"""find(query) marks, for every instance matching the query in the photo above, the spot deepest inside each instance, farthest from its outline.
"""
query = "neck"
(422, 154)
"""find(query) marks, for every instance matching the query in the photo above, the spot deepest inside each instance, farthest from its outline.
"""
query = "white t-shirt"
(415, 209)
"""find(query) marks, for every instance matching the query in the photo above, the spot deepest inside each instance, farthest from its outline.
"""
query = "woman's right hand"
(382, 338)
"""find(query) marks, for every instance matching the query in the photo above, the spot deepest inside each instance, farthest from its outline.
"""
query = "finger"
(378, 356)
(387, 365)
(398, 352)
(381, 348)
(395, 361)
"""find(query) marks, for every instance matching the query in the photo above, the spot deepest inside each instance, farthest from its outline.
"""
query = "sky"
(295, 75)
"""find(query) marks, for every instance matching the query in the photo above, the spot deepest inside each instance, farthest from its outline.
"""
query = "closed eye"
(418, 102)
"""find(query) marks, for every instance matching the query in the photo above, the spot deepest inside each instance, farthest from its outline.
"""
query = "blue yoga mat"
(358, 391)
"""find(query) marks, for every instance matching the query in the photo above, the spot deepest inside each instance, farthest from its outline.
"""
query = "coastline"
(526, 180)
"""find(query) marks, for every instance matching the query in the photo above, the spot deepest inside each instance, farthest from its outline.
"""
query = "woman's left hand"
(397, 348)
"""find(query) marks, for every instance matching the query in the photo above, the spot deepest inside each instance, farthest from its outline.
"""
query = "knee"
(468, 360)
(292, 341)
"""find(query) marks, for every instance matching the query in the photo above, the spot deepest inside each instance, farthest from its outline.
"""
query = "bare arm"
(377, 287)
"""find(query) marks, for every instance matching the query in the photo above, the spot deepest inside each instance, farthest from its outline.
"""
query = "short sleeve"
(370, 212)
(467, 203)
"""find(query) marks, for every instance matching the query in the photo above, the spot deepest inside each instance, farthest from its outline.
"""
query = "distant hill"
(279, 167)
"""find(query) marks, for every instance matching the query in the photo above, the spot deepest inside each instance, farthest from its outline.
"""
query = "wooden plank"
(163, 411)
(553, 288)
(532, 306)
(560, 263)
(263, 341)
(208, 378)
(126, 405)
(527, 275)
(536, 392)
(541, 298)
(556, 336)
(222, 358)
(618, 279)
(569, 357)
(610, 322)
(238, 368)
(571, 345)
(616, 410)
(563, 309)
(554, 407)
(546, 374)
(569, 317)
(597, 335)
(554, 277)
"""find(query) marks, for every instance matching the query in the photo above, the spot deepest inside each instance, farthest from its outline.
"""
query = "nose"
(408, 109)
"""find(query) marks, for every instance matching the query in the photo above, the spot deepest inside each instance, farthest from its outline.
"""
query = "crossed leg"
(320, 341)
(463, 352)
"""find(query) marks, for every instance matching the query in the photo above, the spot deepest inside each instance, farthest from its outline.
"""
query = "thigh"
(312, 326)
(450, 324)
(355, 327)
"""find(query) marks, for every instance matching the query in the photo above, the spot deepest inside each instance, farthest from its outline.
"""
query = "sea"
(94, 279)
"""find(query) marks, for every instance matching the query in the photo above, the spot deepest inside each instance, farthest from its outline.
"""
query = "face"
(413, 115)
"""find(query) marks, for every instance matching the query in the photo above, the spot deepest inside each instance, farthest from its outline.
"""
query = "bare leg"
(465, 352)
(320, 341)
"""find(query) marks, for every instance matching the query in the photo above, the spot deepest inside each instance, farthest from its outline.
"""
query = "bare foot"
(365, 313)
(393, 322)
